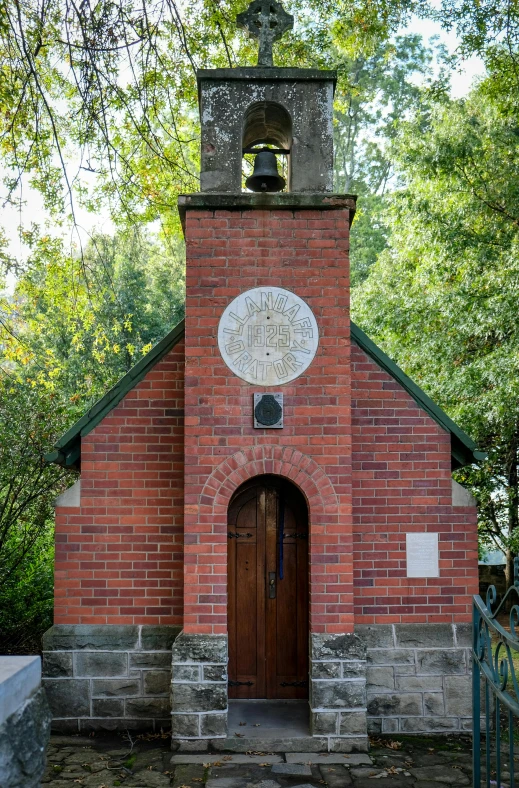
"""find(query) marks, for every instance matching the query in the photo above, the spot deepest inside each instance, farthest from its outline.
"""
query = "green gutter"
(464, 450)
(68, 448)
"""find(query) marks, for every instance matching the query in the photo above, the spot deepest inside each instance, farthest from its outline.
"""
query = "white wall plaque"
(268, 336)
(422, 555)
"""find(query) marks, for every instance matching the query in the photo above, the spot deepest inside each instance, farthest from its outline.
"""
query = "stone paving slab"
(292, 769)
(146, 761)
(221, 758)
(332, 757)
(336, 776)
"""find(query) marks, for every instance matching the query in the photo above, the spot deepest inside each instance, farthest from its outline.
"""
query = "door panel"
(246, 560)
(268, 613)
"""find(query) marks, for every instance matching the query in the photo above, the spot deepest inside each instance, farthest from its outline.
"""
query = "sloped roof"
(67, 450)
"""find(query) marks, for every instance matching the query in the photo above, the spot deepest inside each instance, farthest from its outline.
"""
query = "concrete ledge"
(269, 74)
(71, 497)
(107, 637)
(306, 744)
(25, 726)
(461, 496)
(20, 677)
(264, 201)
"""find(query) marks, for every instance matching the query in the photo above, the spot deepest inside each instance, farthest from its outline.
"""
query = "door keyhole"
(272, 585)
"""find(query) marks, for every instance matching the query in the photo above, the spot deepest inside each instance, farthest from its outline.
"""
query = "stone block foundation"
(108, 677)
(418, 677)
(338, 691)
(386, 678)
(199, 687)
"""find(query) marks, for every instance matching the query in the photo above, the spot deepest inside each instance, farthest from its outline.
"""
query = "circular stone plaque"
(268, 336)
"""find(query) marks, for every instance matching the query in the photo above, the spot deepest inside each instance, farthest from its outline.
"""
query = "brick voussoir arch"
(290, 463)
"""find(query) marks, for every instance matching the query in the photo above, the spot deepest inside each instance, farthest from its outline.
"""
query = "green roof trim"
(463, 449)
(67, 450)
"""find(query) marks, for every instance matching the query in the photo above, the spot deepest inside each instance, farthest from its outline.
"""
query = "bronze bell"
(265, 177)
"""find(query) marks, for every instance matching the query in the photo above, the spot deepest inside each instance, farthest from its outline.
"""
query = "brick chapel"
(265, 517)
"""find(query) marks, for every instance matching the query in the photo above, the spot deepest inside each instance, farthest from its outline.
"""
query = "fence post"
(476, 703)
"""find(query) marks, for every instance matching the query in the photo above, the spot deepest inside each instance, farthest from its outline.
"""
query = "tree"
(442, 300)
(374, 93)
(76, 324)
(29, 421)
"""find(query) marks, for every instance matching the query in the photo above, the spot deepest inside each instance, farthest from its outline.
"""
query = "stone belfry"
(268, 510)
(285, 107)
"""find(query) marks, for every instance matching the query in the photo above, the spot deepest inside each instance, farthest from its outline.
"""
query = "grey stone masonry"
(418, 677)
(24, 723)
(108, 677)
(338, 691)
(290, 107)
(199, 687)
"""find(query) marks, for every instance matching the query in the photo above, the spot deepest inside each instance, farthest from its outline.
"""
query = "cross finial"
(266, 20)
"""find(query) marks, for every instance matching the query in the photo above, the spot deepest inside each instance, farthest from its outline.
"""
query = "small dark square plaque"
(268, 411)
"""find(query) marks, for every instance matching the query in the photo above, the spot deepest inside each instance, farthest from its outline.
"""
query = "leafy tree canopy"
(76, 324)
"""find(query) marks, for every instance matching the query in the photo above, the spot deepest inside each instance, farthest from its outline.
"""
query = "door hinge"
(295, 536)
(294, 683)
(236, 535)
(241, 683)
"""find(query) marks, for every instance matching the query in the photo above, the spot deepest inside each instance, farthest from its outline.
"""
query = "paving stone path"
(147, 762)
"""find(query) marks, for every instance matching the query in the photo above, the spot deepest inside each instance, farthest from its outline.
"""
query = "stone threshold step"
(306, 758)
(303, 744)
(316, 758)
(212, 758)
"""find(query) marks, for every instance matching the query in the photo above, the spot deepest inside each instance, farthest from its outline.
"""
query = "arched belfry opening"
(267, 126)
(267, 600)
(267, 123)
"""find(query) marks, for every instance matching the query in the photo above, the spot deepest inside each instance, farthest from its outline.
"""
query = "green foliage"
(27, 599)
(442, 299)
(368, 237)
(82, 322)
(374, 94)
(29, 420)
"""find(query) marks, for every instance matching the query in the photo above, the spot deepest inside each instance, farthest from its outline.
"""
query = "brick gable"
(119, 555)
(402, 482)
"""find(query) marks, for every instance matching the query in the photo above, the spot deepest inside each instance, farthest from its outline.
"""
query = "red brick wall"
(402, 483)
(228, 252)
(119, 556)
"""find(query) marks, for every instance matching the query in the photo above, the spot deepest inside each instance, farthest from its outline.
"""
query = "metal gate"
(495, 645)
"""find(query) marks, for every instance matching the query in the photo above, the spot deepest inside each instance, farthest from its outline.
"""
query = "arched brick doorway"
(268, 590)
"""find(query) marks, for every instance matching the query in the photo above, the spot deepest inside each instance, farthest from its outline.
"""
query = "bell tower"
(289, 108)
(268, 410)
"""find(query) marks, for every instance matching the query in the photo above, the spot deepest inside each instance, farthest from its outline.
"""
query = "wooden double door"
(268, 590)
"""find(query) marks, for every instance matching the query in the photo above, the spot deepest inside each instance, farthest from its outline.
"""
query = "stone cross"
(266, 20)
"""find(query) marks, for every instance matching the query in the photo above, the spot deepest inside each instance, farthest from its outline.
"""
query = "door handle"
(272, 585)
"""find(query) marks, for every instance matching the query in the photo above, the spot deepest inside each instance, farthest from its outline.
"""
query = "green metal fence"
(495, 687)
